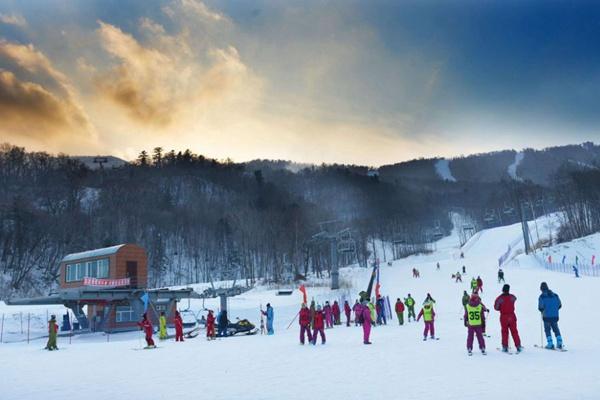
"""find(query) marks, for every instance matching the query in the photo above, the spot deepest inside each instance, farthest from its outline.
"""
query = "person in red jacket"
(505, 303)
(210, 325)
(336, 313)
(400, 311)
(304, 318)
(178, 327)
(347, 311)
(318, 325)
(146, 325)
(357, 308)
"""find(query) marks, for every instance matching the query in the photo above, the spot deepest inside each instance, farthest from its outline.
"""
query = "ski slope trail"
(399, 364)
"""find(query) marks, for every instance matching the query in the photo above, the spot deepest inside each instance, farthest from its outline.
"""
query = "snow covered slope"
(399, 364)
(442, 168)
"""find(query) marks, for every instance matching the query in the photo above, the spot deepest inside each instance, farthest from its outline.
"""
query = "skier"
(429, 299)
(410, 303)
(146, 325)
(479, 284)
(52, 334)
(474, 319)
(210, 325)
(462, 255)
(357, 308)
(304, 318)
(178, 327)
(365, 319)
(576, 271)
(505, 303)
(222, 323)
(270, 315)
(372, 312)
(549, 304)
(464, 269)
(162, 326)
(474, 285)
(335, 309)
(400, 311)
(318, 326)
(428, 317)
(347, 311)
(380, 308)
(457, 277)
(328, 315)
(465, 299)
(437, 266)
(501, 276)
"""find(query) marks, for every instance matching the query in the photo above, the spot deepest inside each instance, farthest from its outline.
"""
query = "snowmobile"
(241, 326)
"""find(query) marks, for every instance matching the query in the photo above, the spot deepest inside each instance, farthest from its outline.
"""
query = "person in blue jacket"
(269, 314)
(549, 304)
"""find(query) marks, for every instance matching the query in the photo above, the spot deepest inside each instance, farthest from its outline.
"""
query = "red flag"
(303, 290)
(377, 290)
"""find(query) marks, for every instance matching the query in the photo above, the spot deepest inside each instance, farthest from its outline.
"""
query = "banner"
(105, 282)
(302, 288)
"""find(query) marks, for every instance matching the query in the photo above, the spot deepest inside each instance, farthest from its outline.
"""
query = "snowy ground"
(398, 364)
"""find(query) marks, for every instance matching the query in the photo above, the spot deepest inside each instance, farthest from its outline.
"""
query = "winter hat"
(319, 307)
(506, 288)
(544, 287)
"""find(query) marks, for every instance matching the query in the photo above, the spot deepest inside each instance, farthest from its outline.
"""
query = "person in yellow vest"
(373, 313)
(162, 324)
(428, 317)
(474, 321)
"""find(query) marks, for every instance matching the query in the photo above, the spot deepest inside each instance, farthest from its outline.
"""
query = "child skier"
(178, 327)
(318, 326)
(549, 303)
(162, 326)
(357, 308)
(146, 325)
(428, 317)
(464, 269)
(473, 285)
(465, 299)
(380, 308)
(479, 284)
(501, 276)
(335, 309)
(365, 319)
(304, 318)
(210, 325)
(505, 303)
(410, 304)
(457, 277)
(52, 334)
(474, 319)
(347, 311)
(400, 311)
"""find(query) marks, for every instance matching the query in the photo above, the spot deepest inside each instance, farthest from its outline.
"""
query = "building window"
(92, 269)
(125, 314)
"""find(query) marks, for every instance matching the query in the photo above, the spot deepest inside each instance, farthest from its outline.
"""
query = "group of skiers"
(146, 325)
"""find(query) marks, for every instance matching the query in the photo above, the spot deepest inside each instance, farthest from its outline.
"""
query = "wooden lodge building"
(111, 283)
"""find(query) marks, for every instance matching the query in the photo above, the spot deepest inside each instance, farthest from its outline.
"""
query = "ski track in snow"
(512, 168)
(442, 168)
(398, 364)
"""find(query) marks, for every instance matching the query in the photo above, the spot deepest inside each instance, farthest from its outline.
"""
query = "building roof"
(106, 251)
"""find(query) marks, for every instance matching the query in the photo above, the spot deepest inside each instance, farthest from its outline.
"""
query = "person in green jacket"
(373, 313)
(465, 300)
(410, 304)
(474, 285)
(52, 333)
(162, 324)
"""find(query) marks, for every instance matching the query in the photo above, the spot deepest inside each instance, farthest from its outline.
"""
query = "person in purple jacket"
(365, 316)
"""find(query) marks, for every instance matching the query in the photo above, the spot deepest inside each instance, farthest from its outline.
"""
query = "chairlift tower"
(340, 241)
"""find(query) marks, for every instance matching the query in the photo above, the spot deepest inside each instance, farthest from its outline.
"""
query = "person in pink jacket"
(357, 308)
(365, 317)
(328, 315)
(428, 317)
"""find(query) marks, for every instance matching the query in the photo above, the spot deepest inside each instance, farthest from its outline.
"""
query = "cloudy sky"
(368, 82)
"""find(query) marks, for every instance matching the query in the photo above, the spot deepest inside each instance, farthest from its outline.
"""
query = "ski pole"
(2, 329)
(541, 328)
(292, 321)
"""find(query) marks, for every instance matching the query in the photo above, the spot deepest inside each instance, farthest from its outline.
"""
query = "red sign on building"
(105, 282)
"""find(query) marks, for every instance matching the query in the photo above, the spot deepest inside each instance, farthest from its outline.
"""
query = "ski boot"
(519, 349)
(432, 337)
(550, 345)
(470, 352)
(505, 349)
(559, 342)
(424, 338)
(483, 352)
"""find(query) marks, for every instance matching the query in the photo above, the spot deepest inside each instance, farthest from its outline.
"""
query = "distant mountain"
(111, 161)
(538, 166)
